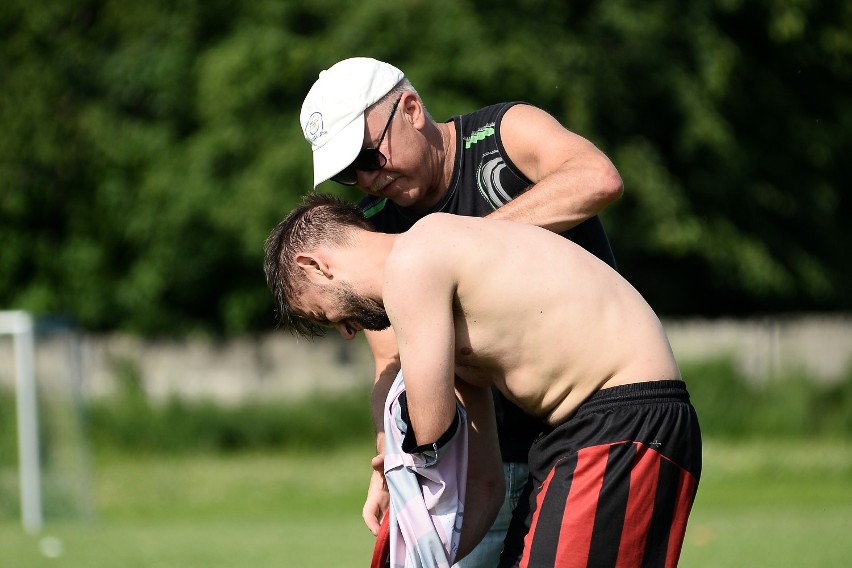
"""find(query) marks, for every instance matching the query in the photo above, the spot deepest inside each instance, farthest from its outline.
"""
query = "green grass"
(773, 504)
(212, 511)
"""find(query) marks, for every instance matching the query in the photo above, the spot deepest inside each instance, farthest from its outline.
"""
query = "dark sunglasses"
(368, 159)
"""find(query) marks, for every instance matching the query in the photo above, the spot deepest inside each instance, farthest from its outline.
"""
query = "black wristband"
(409, 442)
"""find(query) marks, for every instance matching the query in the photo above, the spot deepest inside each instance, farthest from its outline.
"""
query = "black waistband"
(635, 393)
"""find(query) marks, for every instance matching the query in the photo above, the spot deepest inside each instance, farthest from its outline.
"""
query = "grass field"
(773, 504)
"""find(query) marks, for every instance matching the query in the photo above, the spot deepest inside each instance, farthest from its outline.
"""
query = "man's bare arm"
(572, 179)
(386, 358)
(419, 291)
(485, 482)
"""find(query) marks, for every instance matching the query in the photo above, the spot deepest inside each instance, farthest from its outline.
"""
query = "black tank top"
(484, 178)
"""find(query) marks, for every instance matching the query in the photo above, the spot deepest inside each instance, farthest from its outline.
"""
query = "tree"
(148, 148)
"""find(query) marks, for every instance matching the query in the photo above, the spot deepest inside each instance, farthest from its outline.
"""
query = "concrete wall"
(764, 349)
(269, 366)
(278, 366)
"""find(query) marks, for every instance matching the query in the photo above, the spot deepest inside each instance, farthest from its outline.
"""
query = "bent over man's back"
(534, 314)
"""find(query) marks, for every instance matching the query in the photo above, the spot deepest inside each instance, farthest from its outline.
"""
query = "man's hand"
(386, 357)
(378, 498)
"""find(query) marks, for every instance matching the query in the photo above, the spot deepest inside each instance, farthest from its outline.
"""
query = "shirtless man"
(556, 330)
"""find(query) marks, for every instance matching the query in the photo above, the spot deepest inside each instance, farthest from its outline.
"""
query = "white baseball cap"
(332, 116)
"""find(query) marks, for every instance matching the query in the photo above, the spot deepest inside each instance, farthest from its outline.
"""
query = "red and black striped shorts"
(613, 485)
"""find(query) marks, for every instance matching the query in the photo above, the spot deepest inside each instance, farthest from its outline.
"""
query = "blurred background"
(147, 149)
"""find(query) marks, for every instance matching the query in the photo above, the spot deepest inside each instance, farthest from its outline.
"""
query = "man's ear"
(314, 266)
(413, 109)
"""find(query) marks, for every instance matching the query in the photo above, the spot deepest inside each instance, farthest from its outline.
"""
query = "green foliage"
(146, 150)
(729, 406)
(8, 429)
(793, 406)
(129, 422)
(180, 426)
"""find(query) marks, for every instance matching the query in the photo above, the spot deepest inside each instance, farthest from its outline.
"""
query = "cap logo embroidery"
(313, 129)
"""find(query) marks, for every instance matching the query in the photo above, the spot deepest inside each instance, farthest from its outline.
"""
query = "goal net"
(44, 467)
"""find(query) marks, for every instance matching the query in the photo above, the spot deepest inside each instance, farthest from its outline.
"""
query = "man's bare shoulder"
(440, 222)
(446, 236)
(421, 268)
(433, 230)
(416, 237)
(427, 245)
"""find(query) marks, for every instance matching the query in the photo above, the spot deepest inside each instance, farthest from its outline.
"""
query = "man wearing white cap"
(369, 128)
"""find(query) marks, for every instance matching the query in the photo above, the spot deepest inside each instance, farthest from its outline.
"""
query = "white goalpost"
(19, 325)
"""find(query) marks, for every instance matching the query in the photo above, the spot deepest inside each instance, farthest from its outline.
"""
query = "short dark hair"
(319, 219)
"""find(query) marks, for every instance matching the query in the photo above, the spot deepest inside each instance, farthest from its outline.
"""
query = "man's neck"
(448, 142)
(444, 158)
(376, 248)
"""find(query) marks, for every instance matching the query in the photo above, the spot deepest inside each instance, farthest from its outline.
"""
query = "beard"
(366, 313)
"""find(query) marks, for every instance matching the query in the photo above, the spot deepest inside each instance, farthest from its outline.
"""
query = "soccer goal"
(44, 357)
(20, 326)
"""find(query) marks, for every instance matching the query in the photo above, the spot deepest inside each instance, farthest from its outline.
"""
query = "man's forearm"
(379, 395)
(556, 204)
(386, 359)
(485, 482)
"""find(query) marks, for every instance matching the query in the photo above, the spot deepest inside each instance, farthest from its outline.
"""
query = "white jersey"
(427, 489)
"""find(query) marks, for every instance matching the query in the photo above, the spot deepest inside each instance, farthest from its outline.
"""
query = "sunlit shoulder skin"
(511, 314)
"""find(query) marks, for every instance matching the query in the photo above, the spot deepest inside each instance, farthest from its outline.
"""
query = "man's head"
(307, 297)
(332, 116)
